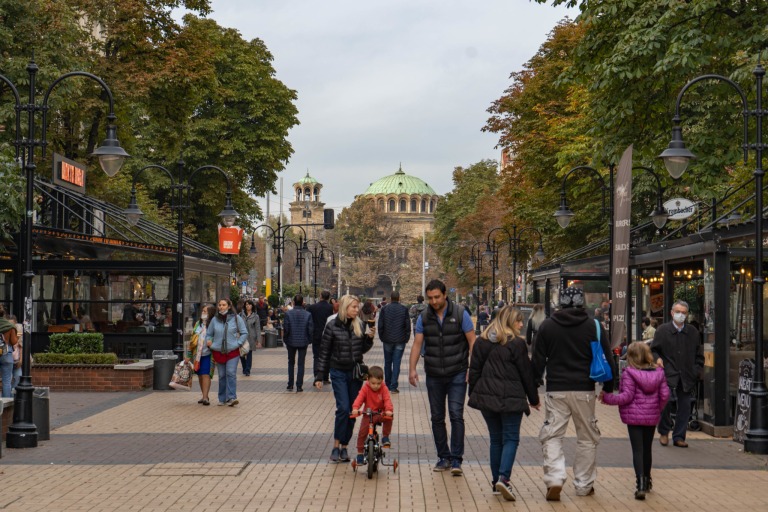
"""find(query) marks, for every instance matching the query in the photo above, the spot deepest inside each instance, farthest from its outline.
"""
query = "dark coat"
(501, 377)
(681, 353)
(394, 324)
(340, 348)
(297, 328)
(320, 312)
(563, 348)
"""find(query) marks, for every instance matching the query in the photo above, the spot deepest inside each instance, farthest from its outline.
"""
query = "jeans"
(641, 439)
(345, 390)
(561, 406)
(292, 362)
(246, 362)
(393, 355)
(227, 380)
(16, 378)
(454, 389)
(504, 430)
(6, 369)
(682, 415)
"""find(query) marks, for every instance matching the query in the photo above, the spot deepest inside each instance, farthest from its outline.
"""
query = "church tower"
(306, 207)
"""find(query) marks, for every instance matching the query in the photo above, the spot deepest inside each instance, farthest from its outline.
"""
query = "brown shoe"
(553, 493)
(664, 439)
(680, 443)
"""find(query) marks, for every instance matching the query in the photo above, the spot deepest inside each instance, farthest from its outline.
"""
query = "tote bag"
(599, 370)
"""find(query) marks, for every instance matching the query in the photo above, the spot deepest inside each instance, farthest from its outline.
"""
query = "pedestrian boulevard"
(158, 451)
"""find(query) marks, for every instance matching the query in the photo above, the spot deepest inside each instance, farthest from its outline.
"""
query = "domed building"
(405, 199)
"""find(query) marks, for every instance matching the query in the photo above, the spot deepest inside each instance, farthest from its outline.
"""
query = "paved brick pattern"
(157, 451)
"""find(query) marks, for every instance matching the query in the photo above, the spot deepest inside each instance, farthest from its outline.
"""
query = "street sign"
(680, 208)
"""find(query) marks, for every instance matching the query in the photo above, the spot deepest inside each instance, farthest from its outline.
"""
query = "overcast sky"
(385, 82)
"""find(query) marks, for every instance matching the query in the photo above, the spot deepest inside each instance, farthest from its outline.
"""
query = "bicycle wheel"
(371, 449)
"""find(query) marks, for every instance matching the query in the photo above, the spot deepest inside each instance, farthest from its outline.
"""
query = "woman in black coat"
(501, 386)
(345, 340)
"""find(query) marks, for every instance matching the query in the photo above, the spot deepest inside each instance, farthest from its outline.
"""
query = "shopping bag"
(182, 377)
(599, 370)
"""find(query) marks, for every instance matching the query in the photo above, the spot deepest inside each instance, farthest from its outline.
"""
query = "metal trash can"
(41, 416)
(162, 371)
(270, 338)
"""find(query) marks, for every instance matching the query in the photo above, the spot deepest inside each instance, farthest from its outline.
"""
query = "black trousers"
(641, 439)
(292, 351)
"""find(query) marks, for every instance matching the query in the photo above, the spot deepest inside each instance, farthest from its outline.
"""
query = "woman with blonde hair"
(501, 386)
(344, 342)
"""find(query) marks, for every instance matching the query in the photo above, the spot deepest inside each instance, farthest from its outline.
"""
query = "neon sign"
(69, 173)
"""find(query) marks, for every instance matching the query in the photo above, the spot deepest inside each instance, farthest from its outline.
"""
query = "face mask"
(679, 318)
(204, 317)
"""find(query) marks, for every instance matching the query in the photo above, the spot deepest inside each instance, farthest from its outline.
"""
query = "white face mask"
(679, 318)
(203, 317)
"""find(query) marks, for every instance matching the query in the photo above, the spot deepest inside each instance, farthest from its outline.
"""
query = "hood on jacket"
(570, 317)
(647, 380)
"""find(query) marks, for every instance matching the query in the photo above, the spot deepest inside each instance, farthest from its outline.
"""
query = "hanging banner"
(622, 202)
(230, 239)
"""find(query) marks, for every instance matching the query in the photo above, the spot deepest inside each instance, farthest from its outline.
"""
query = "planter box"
(96, 377)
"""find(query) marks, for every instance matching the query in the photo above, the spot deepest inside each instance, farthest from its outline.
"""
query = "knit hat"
(572, 297)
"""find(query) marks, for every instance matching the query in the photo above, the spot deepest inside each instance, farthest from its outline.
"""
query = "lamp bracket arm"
(215, 168)
(138, 173)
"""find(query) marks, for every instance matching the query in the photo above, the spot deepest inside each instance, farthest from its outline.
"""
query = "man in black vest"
(320, 312)
(446, 331)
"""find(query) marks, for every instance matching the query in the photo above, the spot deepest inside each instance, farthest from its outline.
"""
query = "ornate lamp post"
(278, 245)
(676, 158)
(22, 433)
(133, 213)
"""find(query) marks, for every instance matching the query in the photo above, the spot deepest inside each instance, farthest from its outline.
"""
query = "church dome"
(399, 183)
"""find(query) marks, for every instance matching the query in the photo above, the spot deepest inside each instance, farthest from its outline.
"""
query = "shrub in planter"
(53, 358)
(77, 343)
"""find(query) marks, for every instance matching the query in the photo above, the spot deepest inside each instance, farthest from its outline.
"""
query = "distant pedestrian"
(676, 347)
(320, 312)
(534, 322)
(262, 309)
(643, 393)
(416, 310)
(649, 330)
(446, 330)
(563, 350)
(496, 310)
(394, 332)
(226, 332)
(345, 340)
(483, 318)
(199, 353)
(253, 324)
(297, 336)
(501, 385)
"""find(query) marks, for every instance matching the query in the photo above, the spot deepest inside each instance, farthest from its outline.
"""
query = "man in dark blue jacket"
(298, 331)
(320, 312)
(394, 331)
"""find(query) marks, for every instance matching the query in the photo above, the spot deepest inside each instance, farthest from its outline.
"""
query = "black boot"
(648, 479)
(642, 488)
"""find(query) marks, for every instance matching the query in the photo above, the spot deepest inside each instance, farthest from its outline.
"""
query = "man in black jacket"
(676, 346)
(447, 333)
(394, 331)
(563, 349)
(297, 336)
(320, 312)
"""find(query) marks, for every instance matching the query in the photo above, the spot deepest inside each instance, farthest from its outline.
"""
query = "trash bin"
(41, 416)
(270, 338)
(162, 372)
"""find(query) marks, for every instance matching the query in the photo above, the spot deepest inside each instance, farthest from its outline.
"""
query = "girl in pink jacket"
(643, 393)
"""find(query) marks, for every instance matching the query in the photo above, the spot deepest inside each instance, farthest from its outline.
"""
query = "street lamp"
(476, 262)
(676, 158)
(514, 250)
(315, 259)
(660, 214)
(22, 433)
(133, 213)
(278, 245)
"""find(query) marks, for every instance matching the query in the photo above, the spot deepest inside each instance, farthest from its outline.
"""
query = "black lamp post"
(133, 213)
(660, 214)
(278, 245)
(317, 258)
(476, 262)
(676, 158)
(22, 433)
(514, 248)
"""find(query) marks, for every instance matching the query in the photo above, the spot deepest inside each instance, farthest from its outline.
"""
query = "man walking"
(262, 309)
(394, 332)
(416, 310)
(446, 330)
(676, 347)
(320, 312)
(297, 336)
(563, 349)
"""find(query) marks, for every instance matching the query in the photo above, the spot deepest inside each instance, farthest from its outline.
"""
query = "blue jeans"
(504, 429)
(454, 389)
(393, 355)
(227, 380)
(345, 390)
(6, 369)
(292, 362)
(246, 362)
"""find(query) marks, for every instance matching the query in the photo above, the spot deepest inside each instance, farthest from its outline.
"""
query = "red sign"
(230, 239)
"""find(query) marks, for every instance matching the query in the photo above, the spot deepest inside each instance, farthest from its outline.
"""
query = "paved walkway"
(158, 451)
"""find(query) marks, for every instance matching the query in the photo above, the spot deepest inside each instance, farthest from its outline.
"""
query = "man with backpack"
(416, 310)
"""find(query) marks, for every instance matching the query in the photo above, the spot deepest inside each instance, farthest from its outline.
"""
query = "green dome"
(307, 180)
(399, 183)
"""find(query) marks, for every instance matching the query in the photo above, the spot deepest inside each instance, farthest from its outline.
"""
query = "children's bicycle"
(373, 452)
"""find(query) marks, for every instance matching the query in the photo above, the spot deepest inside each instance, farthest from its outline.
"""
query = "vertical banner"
(622, 202)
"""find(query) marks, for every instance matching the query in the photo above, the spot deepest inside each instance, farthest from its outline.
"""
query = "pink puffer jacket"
(642, 396)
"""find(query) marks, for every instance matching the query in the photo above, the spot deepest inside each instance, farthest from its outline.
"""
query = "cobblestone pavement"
(157, 451)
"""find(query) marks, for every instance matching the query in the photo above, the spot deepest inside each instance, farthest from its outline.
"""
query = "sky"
(385, 83)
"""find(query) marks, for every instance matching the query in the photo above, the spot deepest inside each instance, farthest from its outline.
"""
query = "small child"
(375, 396)
(642, 396)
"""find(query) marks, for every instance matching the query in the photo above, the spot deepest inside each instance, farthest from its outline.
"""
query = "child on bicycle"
(375, 396)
